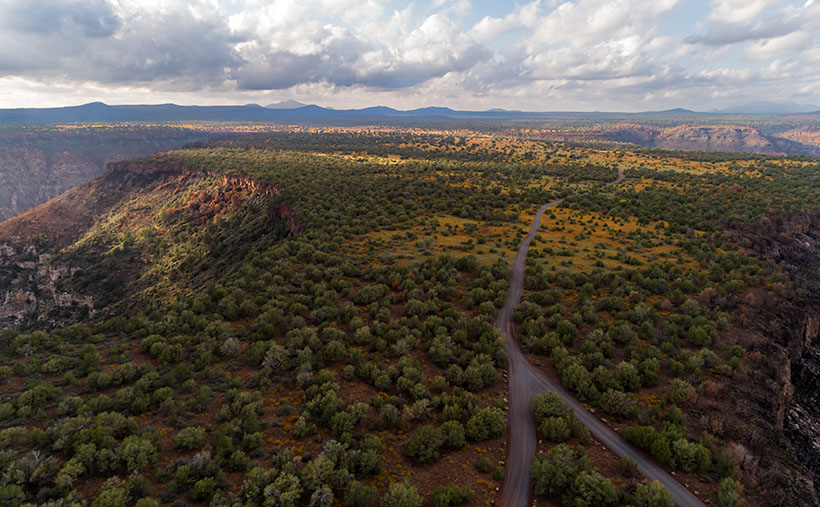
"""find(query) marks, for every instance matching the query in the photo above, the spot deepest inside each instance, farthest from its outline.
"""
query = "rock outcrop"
(30, 289)
(724, 138)
(781, 394)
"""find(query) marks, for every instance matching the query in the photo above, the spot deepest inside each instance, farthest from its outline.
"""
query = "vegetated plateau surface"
(309, 317)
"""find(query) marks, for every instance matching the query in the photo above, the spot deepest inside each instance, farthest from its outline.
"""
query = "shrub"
(556, 429)
(424, 444)
(137, 452)
(680, 391)
(486, 424)
(12, 494)
(190, 438)
(550, 405)
(446, 496)
(628, 376)
(690, 456)
(112, 494)
(7, 411)
(401, 494)
(204, 489)
(590, 488)
(661, 450)
(483, 464)
(628, 467)
(618, 404)
(728, 493)
(557, 468)
(358, 495)
(652, 494)
(453, 434)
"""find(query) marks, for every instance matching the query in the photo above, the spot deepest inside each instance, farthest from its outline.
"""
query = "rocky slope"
(92, 247)
(779, 398)
(38, 165)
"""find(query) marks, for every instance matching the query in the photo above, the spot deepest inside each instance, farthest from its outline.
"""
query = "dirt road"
(525, 381)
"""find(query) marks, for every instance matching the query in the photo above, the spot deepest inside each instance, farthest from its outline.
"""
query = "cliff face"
(740, 139)
(34, 167)
(781, 396)
(727, 138)
(29, 288)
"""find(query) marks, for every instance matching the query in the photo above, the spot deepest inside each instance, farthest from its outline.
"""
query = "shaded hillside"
(38, 164)
(123, 234)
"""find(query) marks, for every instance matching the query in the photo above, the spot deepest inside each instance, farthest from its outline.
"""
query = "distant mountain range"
(769, 108)
(290, 111)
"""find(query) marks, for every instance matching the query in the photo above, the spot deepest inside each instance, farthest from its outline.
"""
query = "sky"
(543, 55)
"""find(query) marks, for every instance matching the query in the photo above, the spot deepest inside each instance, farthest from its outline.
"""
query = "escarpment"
(148, 228)
(779, 399)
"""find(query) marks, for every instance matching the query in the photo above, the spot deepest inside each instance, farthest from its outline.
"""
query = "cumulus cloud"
(732, 30)
(536, 54)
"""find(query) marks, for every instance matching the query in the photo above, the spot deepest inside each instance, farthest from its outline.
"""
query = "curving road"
(525, 381)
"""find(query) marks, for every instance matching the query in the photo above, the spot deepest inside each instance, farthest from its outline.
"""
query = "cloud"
(738, 11)
(590, 40)
(93, 18)
(107, 43)
(569, 53)
(289, 47)
(749, 23)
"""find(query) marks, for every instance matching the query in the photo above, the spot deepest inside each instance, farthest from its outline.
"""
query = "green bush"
(690, 456)
(555, 429)
(549, 404)
(453, 434)
(483, 464)
(190, 438)
(727, 493)
(204, 489)
(358, 495)
(618, 404)
(112, 494)
(401, 494)
(486, 424)
(447, 496)
(628, 467)
(423, 446)
(557, 468)
(138, 452)
(652, 494)
(590, 488)
(12, 494)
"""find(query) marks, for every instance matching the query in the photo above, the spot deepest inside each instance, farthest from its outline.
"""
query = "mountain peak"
(286, 104)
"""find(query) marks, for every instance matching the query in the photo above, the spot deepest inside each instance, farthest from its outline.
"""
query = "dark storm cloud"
(174, 47)
(278, 70)
(87, 40)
